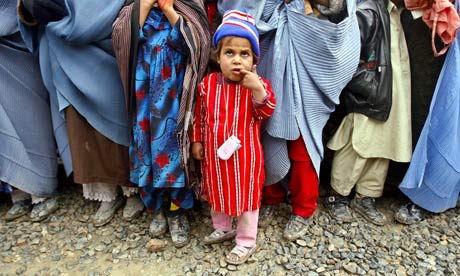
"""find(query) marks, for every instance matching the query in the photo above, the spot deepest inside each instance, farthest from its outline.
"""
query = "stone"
(351, 267)
(284, 260)
(321, 269)
(91, 252)
(100, 248)
(6, 246)
(7, 259)
(430, 248)
(21, 270)
(21, 242)
(222, 262)
(155, 245)
(34, 241)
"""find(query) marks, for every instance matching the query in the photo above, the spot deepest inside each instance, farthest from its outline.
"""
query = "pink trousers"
(246, 228)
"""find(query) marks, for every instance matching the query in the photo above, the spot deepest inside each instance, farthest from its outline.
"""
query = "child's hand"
(165, 4)
(148, 3)
(251, 81)
(197, 151)
(167, 7)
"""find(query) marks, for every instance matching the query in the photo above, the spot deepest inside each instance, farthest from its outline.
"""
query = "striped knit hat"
(238, 23)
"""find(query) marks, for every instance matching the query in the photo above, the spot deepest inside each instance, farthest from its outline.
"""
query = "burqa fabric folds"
(433, 178)
(92, 85)
(309, 61)
(28, 159)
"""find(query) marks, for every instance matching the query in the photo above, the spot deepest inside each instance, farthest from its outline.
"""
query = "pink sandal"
(240, 254)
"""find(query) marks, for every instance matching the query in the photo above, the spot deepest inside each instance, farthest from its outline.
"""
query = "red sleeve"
(265, 108)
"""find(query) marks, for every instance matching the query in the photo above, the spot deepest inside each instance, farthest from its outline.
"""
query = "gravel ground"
(68, 244)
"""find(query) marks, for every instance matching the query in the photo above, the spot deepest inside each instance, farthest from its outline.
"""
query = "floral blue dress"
(154, 151)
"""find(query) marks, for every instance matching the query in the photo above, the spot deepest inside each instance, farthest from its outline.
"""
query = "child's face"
(235, 54)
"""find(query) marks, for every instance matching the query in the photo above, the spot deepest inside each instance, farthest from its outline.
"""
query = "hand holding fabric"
(45, 11)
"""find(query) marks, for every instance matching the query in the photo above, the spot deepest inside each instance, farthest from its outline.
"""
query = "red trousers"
(303, 183)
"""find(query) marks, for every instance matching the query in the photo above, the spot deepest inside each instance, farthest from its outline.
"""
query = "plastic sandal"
(241, 253)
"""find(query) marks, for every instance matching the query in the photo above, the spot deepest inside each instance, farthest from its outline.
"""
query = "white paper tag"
(227, 149)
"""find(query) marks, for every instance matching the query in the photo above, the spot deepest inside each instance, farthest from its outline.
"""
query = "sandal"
(219, 236)
(240, 254)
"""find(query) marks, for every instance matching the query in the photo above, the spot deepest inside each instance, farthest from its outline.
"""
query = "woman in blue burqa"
(79, 70)
(28, 159)
(432, 181)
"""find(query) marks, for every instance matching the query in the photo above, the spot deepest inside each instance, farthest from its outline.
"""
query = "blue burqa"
(28, 159)
(433, 178)
(79, 69)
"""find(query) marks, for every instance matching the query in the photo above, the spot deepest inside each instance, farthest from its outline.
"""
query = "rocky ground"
(68, 244)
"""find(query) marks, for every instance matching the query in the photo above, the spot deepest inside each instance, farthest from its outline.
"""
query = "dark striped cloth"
(122, 45)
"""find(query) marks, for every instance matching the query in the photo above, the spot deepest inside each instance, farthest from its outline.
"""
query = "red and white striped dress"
(223, 109)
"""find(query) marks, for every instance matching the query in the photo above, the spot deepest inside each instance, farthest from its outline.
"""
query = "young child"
(229, 111)
(171, 39)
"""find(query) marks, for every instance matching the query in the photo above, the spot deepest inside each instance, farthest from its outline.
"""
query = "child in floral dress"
(170, 32)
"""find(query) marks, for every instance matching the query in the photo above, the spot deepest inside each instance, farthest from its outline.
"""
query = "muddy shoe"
(266, 215)
(338, 207)
(133, 208)
(409, 214)
(106, 211)
(366, 207)
(158, 225)
(18, 209)
(178, 228)
(296, 227)
(43, 209)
